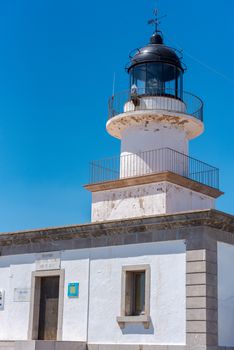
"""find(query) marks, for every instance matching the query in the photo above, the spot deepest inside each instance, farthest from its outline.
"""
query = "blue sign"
(73, 290)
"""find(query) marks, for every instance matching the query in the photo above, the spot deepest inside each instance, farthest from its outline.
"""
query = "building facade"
(153, 270)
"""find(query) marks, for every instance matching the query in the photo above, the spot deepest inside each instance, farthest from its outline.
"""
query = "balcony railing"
(153, 162)
(166, 100)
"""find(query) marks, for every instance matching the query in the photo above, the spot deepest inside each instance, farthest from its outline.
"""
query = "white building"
(153, 270)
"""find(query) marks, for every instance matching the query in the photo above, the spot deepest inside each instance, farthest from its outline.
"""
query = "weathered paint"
(116, 125)
(92, 316)
(225, 294)
(143, 200)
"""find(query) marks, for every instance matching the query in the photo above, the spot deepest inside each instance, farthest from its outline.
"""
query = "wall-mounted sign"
(22, 294)
(73, 290)
(48, 261)
(2, 297)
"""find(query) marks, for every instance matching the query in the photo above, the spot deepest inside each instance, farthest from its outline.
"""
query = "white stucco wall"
(151, 136)
(92, 316)
(143, 200)
(225, 294)
(129, 202)
(76, 265)
(182, 199)
(5, 285)
(167, 310)
(15, 272)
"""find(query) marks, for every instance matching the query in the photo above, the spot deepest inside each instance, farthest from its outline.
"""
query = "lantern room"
(156, 70)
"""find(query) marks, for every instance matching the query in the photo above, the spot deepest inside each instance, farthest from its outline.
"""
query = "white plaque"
(48, 261)
(22, 294)
(2, 296)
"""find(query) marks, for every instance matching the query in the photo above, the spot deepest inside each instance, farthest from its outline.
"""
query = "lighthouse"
(154, 268)
(155, 120)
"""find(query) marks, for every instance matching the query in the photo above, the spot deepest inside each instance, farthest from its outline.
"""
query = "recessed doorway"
(48, 311)
(46, 305)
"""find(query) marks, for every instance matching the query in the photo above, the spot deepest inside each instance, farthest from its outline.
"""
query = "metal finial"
(156, 20)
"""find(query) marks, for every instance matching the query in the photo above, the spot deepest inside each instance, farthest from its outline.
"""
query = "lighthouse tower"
(155, 119)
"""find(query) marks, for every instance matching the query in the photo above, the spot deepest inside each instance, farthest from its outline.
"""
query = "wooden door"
(48, 315)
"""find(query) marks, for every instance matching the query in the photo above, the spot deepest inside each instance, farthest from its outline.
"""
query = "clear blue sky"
(56, 68)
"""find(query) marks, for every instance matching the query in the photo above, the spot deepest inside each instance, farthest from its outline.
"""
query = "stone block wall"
(201, 294)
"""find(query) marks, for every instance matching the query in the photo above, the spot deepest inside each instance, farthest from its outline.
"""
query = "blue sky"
(57, 62)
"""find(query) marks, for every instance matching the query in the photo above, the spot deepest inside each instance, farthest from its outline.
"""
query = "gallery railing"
(147, 99)
(154, 161)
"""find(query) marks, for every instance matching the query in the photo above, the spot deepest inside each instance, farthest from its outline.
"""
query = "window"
(135, 296)
(135, 293)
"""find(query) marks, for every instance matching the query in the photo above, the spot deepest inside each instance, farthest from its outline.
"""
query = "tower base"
(155, 194)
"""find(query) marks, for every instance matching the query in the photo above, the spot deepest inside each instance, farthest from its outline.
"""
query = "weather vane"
(156, 20)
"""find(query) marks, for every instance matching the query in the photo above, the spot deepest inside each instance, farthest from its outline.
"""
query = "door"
(48, 311)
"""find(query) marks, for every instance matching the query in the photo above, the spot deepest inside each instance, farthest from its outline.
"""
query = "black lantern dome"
(156, 70)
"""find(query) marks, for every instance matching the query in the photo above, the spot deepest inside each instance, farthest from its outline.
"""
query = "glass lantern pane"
(157, 79)
(154, 83)
(139, 78)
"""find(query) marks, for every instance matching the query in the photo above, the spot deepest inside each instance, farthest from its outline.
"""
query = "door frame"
(35, 301)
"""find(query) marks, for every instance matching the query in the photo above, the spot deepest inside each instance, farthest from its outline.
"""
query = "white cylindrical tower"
(156, 115)
(155, 120)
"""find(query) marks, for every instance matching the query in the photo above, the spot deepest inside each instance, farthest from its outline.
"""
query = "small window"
(135, 295)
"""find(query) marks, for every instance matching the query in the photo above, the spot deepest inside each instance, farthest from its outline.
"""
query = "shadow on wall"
(110, 252)
(138, 329)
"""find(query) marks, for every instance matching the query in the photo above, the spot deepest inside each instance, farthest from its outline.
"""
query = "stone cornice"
(206, 218)
(155, 178)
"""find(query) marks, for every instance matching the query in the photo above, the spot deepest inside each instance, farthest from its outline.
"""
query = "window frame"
(143, 318)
